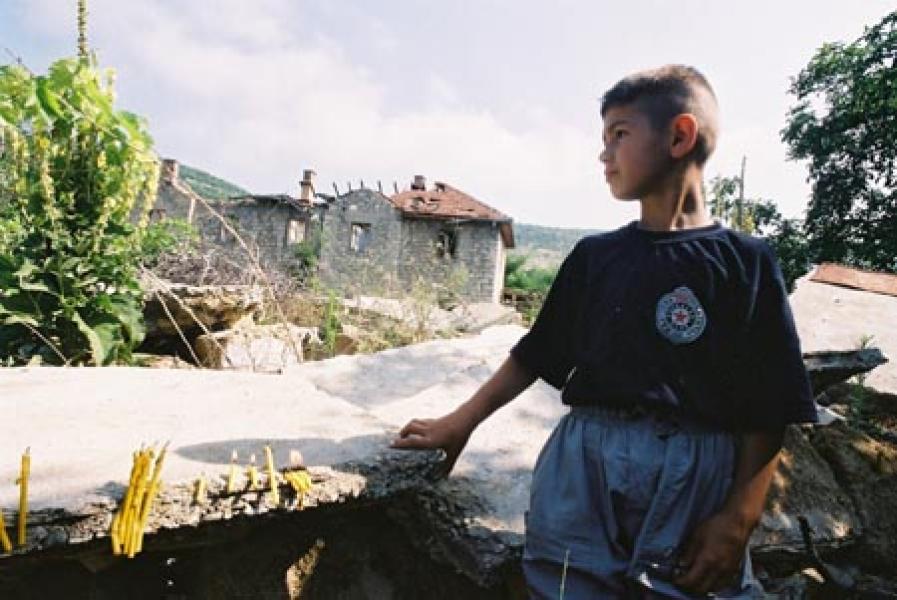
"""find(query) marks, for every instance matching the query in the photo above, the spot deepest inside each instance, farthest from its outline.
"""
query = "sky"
(499, 98)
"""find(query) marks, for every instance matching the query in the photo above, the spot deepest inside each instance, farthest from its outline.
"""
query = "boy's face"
(635, 156)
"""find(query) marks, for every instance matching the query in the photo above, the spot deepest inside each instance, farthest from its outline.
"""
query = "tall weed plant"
(77, 178)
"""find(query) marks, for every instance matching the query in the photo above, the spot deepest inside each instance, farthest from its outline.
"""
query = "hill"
(546, 246)
(209, 186)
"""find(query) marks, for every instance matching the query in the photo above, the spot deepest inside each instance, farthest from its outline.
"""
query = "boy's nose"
(604, 156)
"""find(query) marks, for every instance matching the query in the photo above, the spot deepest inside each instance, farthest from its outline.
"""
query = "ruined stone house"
(422, 235)
(271, 225)
(365, 241)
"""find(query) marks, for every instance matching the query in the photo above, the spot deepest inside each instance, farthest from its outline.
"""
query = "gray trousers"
(614, 496)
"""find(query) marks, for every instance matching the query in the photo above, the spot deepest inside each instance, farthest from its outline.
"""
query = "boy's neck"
(677, 204)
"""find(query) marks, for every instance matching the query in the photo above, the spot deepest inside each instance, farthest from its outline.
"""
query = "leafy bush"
(529, 280)
(168, 236)
(305, 259)
(76, 181)
(330, 325)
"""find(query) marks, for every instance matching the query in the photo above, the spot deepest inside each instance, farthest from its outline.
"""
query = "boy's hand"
(713, 554)
(450, 433)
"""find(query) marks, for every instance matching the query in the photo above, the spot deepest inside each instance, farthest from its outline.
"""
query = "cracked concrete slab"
(83, 424)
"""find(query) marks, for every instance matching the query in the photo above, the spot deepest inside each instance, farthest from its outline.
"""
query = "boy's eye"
(619, 133)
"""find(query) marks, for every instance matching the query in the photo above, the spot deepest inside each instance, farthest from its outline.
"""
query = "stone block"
(267, 348)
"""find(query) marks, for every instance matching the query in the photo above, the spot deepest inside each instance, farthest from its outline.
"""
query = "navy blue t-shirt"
(695, 320)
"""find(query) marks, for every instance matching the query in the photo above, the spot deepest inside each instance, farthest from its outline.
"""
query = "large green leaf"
(19, 319)
(130, 314)
(98, 350)
(48, 100)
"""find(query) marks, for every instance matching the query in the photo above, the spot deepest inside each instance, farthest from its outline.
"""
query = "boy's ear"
(684, 129)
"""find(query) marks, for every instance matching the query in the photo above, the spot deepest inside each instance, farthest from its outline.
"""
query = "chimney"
(169, 172)
(307, 186)
(420, 183)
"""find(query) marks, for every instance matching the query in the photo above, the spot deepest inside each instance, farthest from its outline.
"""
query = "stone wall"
(470, 271)
(399, 252)
(371, 268)
(263, 224)
(173, 199)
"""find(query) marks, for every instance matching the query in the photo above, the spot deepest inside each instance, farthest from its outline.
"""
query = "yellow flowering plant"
(77, 178)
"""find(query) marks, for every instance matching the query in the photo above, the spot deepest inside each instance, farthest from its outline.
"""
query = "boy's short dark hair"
(665, 92)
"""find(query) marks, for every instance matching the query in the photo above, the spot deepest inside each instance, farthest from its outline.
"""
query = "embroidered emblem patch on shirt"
(680, 317)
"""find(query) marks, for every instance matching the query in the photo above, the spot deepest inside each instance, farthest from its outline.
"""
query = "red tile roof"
(447, 203)
(444, 202)
(869, 281)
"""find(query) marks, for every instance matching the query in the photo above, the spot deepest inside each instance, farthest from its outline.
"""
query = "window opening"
(361, 237)
(446, 243)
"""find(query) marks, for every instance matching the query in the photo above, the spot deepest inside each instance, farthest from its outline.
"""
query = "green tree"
(787, 238)
(171, 236)
(723, 197)
(536, 279)
(844, 125)
(755, 215)
(762, 218)
(76, 181)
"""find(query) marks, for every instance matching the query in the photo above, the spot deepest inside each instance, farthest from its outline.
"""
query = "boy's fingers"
(446, 466)
(443, 470)
(413, 426)
(695, 577)
(688, 554)
(717, 583)
(410, 441)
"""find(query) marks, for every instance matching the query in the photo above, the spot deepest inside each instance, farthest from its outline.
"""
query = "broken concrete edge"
(826, 368)
(436, 516)
(435, 520)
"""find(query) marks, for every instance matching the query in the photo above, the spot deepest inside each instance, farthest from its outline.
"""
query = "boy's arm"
(713, 553)
(451, 431)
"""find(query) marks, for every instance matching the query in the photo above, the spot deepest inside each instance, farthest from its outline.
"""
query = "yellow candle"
(116, 533)
(252, 474)
(199, 494)
(301, 482)
(130, 496)
(272, 476)
(153, 489)
(133, 510)
(232, 477)
(4, 538)
(23, 495)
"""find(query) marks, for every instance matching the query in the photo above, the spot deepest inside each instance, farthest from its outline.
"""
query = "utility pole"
(739, 207)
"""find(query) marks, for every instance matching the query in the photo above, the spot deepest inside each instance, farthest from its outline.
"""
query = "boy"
(674, 345)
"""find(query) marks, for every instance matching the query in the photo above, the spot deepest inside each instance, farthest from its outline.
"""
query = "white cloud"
(241, 91)
(256, 91)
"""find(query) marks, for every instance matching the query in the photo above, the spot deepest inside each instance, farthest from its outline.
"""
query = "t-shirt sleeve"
(776, 375)
(547, 350)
